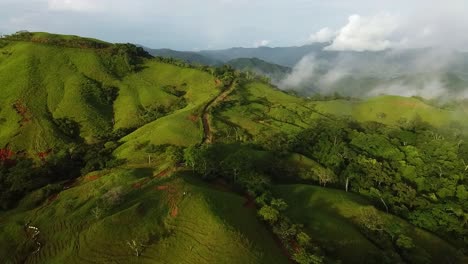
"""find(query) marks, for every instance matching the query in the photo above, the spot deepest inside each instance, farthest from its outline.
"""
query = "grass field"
(50, 82)
(390, 109)
(57, 82)
(170, 215)
(259, 109)
(183, 127)
(177, 218)
(328, 218)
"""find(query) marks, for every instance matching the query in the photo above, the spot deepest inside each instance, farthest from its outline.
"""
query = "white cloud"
(261, 43)
(323, 35)
(302, 73)
(367, 33)
(430, 89)
(73, 5)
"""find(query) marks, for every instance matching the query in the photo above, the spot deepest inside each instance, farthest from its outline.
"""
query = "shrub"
(304, 257)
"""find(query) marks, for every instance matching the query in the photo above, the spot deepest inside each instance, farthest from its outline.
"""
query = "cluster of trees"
(416, 171)
(122, 59)
(4, 43)
(20, 174)
(155, 111)
(225, 73)
(292, 235)
(152, 112)
(246, 168)
(390, 237)
(68, 127)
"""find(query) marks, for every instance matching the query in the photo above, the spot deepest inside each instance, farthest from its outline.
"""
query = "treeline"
(415, 171)
(20, 173)
(225, 73)
(122, 59)
(250, 171)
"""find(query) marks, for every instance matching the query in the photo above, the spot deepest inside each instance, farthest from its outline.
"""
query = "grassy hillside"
(44, 82)
(257, 109)
(158, 212)
(77, 83)
(186, 164)
(146, 88)
(81, 84)
(333, 218)
(274, 71)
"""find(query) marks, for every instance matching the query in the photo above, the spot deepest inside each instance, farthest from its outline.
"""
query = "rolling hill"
(273, 71)
(190, 57)
(427, 72)
(113, 156)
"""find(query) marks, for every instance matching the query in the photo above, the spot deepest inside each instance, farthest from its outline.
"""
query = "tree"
(269, 214)
(68, 127)
(193, 156)
(370, 219)
(236, 163)
(174, 155)
(303, 239)
(279, 204)
(97, 212)
(324, 177)
(304, 257)
(190, 157)
(113, 196)
(21, 176)
(405, 242)
(254, 183)
(136, 246)
(278, 142)
(284, 229)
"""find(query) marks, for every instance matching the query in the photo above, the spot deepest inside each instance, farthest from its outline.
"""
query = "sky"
(215, 24)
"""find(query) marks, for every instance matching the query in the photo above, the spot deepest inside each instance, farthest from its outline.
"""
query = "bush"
(304, 257)
(113, 197)
(68, 127)
(269, 214)
(404, 242)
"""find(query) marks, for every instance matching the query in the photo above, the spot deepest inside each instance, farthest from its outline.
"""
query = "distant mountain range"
(310, 68)
(191, 57)
(274, 71)
(284, 56)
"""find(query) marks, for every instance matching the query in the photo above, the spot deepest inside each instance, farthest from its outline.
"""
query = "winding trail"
(207, 129)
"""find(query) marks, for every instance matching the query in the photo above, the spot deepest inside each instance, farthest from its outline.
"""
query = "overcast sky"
(211, 24)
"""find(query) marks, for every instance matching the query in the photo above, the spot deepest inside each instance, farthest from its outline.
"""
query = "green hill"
(118, 157)
(334, 217)
(158, 213)
(274, 71)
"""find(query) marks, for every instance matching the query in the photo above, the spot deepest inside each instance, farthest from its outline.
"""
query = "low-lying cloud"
(429, 73)
(418, 55)
(302, 73)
